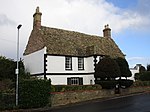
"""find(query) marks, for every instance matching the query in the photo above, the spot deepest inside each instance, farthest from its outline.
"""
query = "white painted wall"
(34, 62)
(89, 64)
(133, 71)
(62, 79)
(56, 64)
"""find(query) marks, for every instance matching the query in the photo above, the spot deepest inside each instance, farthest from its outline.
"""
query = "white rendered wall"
(133, 71)
(89, 64)
(56, 64)
(34, 62)
(62, 79)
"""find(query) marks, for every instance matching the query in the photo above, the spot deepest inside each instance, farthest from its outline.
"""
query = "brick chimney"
(37, 19)
(107, 31)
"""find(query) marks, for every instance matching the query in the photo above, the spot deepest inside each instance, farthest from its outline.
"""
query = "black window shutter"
(81, 81)
(68, 81)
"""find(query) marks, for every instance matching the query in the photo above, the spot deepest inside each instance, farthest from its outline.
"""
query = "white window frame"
(68, 63)
(80, 63)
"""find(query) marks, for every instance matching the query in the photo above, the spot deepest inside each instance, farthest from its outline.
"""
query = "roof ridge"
(71, 31)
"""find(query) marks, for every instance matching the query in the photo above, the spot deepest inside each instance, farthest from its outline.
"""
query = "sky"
(128, 19)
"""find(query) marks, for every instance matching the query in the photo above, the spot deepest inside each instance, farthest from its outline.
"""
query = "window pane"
(68, 63)
(81, 63)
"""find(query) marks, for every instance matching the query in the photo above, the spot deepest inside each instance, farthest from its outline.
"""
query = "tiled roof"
(63, 42)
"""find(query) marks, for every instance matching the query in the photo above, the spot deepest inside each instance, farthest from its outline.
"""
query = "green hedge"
(141, 83)
(125, 83)
(108, 84)
(7, 101)
(34, 93)
(145, 76)
(62, 88)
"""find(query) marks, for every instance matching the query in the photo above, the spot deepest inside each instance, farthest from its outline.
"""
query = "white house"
(135, 70)
(66, 57)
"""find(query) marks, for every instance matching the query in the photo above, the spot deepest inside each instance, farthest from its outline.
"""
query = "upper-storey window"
(68, 63)
(80, 63)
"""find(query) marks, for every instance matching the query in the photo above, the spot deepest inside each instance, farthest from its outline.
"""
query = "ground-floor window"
(75, 81)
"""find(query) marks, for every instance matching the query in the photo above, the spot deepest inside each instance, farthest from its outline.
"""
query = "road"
(136, 103)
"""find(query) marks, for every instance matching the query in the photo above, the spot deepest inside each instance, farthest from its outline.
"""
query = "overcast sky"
(128, 19)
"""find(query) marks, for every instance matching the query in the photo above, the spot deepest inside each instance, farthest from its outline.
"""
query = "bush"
(125, 83)
(7, 101)
(141, 83)
(34, 93)
(63, 88)
(124, 67)
(107, 84)
(107, 68)
(145, 76)
(7, 68)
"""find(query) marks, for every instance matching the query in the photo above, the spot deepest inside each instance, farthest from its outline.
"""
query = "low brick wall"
(63, 98)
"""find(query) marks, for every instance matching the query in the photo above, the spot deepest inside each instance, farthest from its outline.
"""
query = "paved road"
(136, 103)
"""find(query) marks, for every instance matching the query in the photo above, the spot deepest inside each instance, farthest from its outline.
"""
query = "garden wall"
(63, 98)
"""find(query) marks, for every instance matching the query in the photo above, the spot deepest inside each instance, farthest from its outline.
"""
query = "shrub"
(107, 84)
(7, 101)
(125, 83)
(62, 88)
(141, 83)
(148, 67)
(145, 76)
(7, 68)
(34, 93)
(107, 68)
(142, 69)
(124, 67)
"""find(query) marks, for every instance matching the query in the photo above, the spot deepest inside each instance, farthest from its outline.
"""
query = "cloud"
(87, 16)
(4, 20)
(138, 60)
(90, 16)
(143, 10)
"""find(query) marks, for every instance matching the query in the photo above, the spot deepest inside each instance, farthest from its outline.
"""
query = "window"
(68, 63)
(80, 63)
(75, 81)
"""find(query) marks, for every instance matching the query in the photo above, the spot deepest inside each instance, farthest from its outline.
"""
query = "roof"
(63, 42)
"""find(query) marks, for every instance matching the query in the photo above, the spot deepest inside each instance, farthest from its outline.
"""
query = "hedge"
(125, 83)
(145, 76)
(141, 83)
(110, 84)
(7, 101)
(63, 88)
(34, 93)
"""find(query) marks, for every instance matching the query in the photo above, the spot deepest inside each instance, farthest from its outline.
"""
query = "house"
(66, 57)
(135, 70)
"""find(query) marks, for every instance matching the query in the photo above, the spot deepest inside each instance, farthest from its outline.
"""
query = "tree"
(124, 67)
(142, 69)
(22, 73)
(137, 76)
(145, 76)
(107, 69)
(148, 67)
(7, 68)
